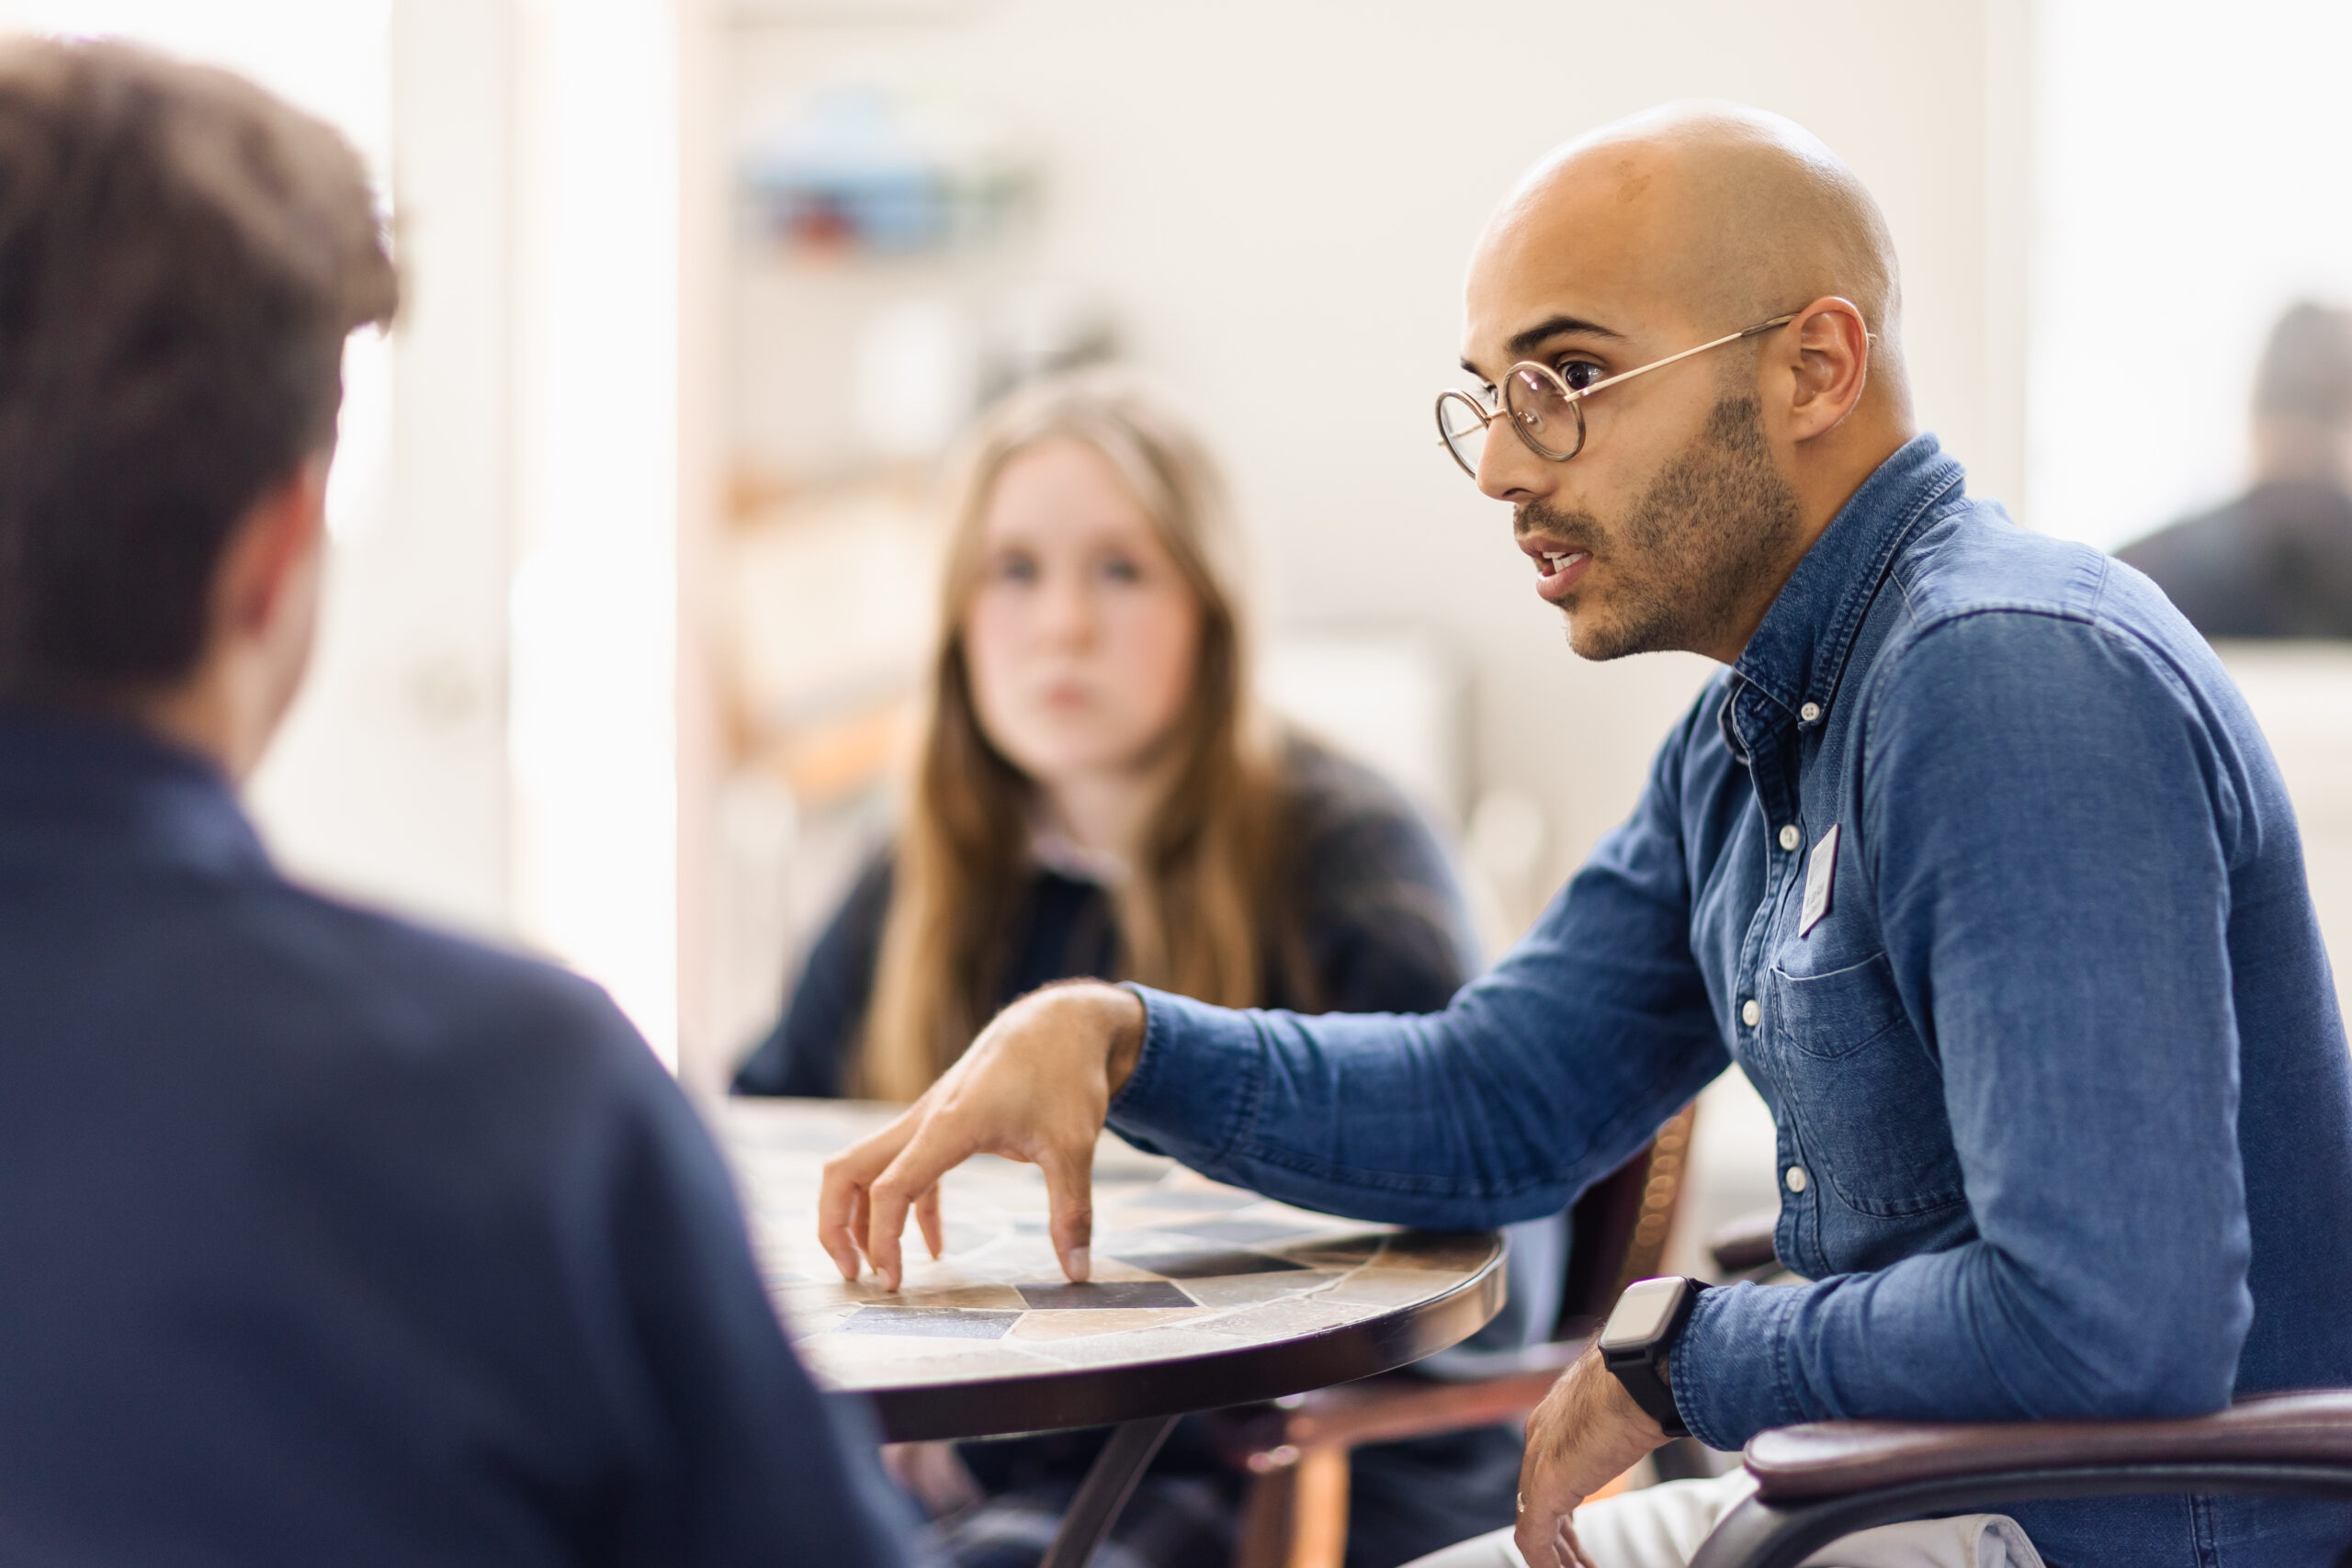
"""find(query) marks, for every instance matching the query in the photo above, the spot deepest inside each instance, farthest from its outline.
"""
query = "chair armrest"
(1745, 1243)
(1831, 1458)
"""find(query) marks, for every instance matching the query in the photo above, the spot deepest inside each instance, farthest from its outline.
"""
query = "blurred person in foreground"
(329, 1239)
(2277, 561)
(1099, 795)
(1974, 860)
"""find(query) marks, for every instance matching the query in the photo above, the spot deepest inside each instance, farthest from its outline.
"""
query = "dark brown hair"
(181, 258)
(1201, 913)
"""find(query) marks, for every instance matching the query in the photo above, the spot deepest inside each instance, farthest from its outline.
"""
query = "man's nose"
(1507, 470)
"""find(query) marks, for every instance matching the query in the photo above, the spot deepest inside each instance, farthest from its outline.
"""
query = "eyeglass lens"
(1548, 419)
(1463, 425)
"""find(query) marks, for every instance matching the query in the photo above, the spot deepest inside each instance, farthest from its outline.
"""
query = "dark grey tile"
(1339, 1254)
(1209, 1263)
(1104, 1293)
(931, 1322)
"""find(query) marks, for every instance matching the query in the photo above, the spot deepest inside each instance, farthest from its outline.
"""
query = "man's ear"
(1832, 366)
(277, 538)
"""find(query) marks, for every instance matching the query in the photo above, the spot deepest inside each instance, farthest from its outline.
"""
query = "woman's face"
(1083, 637)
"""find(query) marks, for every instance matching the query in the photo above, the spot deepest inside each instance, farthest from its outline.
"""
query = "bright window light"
(593, 716)
(334, 59)
(2188, 171)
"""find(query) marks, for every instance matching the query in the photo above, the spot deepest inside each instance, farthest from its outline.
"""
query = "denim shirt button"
(1790, 837)
(1796, 1179)
(1749, 1012)
(1809, 713)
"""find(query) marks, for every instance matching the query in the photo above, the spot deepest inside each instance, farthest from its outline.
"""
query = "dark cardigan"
(1380, 918)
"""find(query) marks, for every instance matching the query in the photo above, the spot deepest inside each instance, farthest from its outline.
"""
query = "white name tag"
(1820, 881)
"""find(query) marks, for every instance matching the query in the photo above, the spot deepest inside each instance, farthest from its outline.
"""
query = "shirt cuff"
(1730, 1364)
(1196, 1083)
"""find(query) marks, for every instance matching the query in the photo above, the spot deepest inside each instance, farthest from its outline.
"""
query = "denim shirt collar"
(1798, 652)
(80, 785)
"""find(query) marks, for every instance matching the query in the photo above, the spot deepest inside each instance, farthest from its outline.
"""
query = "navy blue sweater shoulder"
(335, 1238)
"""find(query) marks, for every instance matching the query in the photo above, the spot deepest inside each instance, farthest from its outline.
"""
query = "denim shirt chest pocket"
(1867, 1099)
(1865, 1094)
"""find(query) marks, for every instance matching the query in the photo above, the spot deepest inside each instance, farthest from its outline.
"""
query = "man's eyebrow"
(1533, 337)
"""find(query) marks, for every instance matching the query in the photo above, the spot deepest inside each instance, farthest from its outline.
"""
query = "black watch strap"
(1638, 1338)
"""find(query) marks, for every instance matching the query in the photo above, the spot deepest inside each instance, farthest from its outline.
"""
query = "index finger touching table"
(1202, 1295)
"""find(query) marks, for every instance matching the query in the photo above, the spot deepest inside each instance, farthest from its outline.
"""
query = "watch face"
(1643, 1313)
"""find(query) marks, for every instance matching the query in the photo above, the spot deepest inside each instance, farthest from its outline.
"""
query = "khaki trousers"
(1661, 1526)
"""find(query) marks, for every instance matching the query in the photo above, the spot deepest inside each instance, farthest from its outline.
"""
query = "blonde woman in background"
(1099, 795)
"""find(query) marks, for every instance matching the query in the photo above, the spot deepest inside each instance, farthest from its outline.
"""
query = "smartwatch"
(1640, 1333)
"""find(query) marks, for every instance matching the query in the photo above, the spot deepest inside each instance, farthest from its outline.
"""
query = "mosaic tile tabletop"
(1182, 1265)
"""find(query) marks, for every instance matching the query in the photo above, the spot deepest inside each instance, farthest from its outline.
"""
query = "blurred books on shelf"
(852, 172)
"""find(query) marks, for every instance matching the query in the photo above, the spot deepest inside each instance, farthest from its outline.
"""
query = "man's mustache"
(1574, 530)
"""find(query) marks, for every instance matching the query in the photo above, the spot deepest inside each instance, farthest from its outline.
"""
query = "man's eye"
(1579, 374)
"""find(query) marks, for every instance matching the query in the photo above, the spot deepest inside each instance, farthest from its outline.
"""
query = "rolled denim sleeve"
(1541, 1077)
(2049, 819)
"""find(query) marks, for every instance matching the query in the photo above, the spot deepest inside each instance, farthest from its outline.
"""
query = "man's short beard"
(1717, 522)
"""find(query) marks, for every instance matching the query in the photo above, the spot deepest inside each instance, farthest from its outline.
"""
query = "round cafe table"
(1202, 1296)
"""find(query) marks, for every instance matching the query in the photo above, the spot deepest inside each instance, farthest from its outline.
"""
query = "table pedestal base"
(1105, 1490)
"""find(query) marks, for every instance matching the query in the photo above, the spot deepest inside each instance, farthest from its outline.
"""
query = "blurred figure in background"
(329, 1239)
(2277, 562)
(1099, 795)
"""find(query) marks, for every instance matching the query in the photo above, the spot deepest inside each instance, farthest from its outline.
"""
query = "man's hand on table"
(1587, 1433)
(1036, 1086)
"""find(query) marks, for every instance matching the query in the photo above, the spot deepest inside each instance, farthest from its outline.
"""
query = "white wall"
(595, 317)
(1278, 199)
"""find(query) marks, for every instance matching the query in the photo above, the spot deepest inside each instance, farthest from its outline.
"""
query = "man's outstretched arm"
(1541, 1077)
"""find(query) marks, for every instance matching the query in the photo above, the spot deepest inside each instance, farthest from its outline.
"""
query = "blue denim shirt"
(1977, 865)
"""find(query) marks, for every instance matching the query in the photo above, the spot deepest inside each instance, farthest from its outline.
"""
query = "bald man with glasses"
(1972, 859)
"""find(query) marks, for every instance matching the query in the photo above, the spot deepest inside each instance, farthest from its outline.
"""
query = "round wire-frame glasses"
(1544, 411)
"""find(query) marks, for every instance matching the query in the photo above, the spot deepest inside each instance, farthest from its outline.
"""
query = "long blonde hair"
(1196, 912)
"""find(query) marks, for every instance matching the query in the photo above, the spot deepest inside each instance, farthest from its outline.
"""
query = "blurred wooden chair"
(1296, 1512)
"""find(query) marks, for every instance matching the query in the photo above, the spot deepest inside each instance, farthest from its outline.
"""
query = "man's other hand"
(1036, 1086)
(1587, 1433)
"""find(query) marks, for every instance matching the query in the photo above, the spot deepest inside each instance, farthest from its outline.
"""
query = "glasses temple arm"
(1671, 359)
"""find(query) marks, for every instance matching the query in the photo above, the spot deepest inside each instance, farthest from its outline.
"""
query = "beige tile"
(999, 1298)
(1285, 1320)
(1436, 1251)
(1388, 1287)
